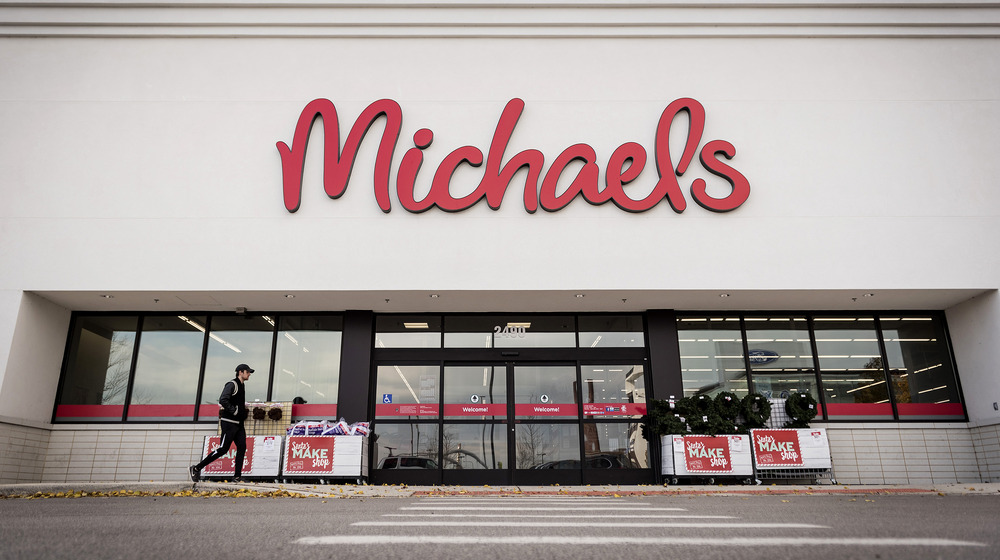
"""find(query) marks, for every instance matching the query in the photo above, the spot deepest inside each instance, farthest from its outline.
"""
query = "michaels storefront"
(496, 232)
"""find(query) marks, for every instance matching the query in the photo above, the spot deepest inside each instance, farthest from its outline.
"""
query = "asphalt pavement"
(305, 489)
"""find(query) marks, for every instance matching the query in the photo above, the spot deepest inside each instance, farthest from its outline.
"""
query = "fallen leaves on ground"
(221, 493)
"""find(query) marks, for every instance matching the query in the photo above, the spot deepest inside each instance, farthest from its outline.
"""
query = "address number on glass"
(510, 331)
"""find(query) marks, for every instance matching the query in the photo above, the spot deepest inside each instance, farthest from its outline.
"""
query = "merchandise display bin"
(326, 458)
(706, 458)
(261, 460)
(792, 454)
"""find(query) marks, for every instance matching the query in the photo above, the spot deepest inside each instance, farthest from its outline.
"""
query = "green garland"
(801, 407)
(756, 411)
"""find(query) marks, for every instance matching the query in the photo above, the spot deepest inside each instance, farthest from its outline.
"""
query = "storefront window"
(510, 331)
(614, 446)
(236, 340)
(407, 391)
(307, 364)
(416, 331)
(923, 379)
(166, 375)
(474, 446)
(611, 331)
(612, 390)
(475, 392)
(97, 369)
(406, 446)
(547, 446)
(851, 368)
(545, 392)
(712, 355)
(781, 360)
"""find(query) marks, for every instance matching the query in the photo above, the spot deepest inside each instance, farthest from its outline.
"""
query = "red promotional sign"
(707, 454)
(406, 409)
(227, 463)
(621, 409)
(545, 409)
(309, 455)
(475, 409)
(500, 168)
(777, 448)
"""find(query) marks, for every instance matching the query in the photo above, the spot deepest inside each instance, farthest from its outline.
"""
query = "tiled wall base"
(903, 454)
(862, 453)
(987, 442)
(22, 453)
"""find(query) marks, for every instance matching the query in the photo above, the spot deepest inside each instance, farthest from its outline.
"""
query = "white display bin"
(802, 453)
(706, 457)
(262, 458)
(326, 457)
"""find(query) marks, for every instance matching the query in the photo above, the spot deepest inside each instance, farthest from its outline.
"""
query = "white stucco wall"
(33, 363)
(140, 156)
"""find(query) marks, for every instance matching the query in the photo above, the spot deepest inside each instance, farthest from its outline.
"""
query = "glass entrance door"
(510, 423)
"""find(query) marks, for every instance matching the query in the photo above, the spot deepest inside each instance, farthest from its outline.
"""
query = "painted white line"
(531, 501)
(532, 508)
(522, 515)
(605, 524)
(630, 541)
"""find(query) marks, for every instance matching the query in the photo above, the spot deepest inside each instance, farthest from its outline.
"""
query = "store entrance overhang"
(517, 301)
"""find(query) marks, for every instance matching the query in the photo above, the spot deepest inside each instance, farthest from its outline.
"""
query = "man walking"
(233, 411)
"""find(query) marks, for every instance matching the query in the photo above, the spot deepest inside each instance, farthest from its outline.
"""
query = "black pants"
(231, 433)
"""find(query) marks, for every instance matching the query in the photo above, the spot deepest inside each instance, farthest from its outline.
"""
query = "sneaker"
(237, 480)
(195, 473)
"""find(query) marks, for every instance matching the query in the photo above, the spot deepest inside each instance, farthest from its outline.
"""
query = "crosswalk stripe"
(630, 541)
(533, 508)
(563, 516)
(604, 524)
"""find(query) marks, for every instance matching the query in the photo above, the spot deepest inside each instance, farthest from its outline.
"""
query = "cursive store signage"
(625, 165)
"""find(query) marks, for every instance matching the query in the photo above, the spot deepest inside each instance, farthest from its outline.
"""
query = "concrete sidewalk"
(252, 489)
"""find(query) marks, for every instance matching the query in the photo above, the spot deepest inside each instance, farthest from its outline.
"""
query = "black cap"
(243, 367)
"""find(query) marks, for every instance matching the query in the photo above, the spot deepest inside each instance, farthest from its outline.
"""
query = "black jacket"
(233, 402)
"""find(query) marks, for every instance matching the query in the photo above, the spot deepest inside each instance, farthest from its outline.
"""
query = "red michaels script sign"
(624, 166)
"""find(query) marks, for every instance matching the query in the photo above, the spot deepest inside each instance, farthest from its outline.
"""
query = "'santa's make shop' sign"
(625, 165)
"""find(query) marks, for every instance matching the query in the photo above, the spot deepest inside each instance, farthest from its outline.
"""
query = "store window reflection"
(547, 446)
(407, 391)
(611, 331)
(612, 390)
(406, 446)
(234, 340)
(307, 359)
(712, 355)
(97, 369)
(923, 379)
(781, 360)
(851, 368)
(510, 331)
(608, 445)
(474, 446)
(166, 375)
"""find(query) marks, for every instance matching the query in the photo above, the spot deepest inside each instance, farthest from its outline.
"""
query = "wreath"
(756, 411)
(258, 413)
(728, 405)
(661, 419)
(801, 407)
(274, 413)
